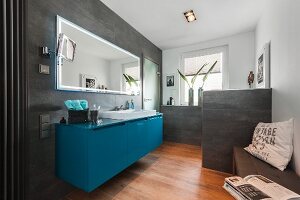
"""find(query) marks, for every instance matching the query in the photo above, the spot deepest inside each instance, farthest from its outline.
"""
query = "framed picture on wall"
(170, 81)
(263, 68)
(88, 81)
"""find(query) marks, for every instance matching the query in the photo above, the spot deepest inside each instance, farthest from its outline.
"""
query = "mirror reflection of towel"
(66, 47)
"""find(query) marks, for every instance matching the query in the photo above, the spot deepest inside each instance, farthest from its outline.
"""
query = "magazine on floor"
(256, 187)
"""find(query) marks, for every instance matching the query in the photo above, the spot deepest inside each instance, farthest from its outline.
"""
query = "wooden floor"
(172, 172)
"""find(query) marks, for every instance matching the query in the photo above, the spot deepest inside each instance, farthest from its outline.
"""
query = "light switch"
(45, 126)
(45, 134)
(44, 69)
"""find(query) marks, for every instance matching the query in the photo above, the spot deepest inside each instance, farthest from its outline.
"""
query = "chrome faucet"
(118, 108)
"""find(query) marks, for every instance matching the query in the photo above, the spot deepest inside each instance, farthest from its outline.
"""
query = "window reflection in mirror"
(98, 65)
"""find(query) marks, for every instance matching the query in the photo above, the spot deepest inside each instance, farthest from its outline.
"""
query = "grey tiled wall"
(94, 16)
(229, 119)
(182, 124)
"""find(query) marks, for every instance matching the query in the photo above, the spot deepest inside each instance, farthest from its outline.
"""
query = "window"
(193, 61)
(133, 70)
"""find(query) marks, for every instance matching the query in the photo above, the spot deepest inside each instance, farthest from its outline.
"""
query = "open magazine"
(256, 187)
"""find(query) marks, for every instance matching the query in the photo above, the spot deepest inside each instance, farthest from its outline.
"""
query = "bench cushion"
(245, 164)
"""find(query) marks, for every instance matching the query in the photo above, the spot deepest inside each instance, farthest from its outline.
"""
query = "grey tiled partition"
(229, 119)
(182, 124)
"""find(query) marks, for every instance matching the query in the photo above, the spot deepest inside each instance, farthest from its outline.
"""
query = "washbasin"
(127, 114)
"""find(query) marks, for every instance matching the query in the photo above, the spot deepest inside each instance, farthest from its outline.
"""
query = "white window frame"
(204, 52)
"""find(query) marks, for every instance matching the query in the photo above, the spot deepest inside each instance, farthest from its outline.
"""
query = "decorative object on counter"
(94, 114)
(172, 101)
(131, 104)
(127, 105)
(78, 116)
(63, 121)
(250, 79)
(263, 68)
(88, 81)
(193, 80)
(170, 81)
(200, 96)
(200, 89)
(191, 85)
(191, 96)
(77, 111)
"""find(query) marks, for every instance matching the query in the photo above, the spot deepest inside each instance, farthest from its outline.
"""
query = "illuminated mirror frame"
(59, 85)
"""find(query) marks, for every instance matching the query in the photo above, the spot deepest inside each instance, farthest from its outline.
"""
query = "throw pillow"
(273, 143)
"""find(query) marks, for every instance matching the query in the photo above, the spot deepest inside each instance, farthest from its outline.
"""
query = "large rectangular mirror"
(97, 65)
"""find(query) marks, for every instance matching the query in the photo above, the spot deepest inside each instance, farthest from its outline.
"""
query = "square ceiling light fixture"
(190, 15)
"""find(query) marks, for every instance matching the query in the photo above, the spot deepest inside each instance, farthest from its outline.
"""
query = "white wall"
(241, 60)
(280, 24)
(88, 64)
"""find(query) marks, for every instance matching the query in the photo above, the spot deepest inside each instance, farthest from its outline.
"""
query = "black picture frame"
(170, 81)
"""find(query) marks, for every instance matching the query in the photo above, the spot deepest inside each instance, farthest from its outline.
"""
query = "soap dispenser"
(131, 104)
(127, 106)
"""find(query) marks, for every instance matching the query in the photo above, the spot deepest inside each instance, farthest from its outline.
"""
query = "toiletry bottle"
(94, 114)
(131, 104)
(127, 105)
(63, 121)
(172, 101)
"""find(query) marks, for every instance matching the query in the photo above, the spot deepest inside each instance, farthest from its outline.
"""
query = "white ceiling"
(163, 23)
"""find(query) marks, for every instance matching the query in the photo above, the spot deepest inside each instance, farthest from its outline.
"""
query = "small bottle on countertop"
(172, 101)
(127, 105)
(63, 121)
(131, 105)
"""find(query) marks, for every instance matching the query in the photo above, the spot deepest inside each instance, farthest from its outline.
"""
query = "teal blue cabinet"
(154, 132)
(136, 140)
(89, 155)
(106, 154)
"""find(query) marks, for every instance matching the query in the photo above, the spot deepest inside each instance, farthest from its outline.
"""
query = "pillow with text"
(273, 143)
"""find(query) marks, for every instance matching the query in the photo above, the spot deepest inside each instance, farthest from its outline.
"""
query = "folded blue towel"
(84, 104)
(77, 104)
(69, 105)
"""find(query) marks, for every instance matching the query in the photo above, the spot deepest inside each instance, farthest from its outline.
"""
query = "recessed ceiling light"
(190, 15)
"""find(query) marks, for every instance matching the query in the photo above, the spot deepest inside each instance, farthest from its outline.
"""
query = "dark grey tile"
(94, 16)
(229, 119)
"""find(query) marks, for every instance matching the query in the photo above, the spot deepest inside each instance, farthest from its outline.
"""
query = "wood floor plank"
(172, 172)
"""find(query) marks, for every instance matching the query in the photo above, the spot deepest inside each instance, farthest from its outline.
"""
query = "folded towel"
(77, 104)
(84, 104)
(69, 105)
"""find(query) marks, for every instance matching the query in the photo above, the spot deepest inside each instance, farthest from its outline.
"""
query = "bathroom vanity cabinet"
(88, 155)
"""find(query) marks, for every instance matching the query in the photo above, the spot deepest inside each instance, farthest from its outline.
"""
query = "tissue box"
(78, 116)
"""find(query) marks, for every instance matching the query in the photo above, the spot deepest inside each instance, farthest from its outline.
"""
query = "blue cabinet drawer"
(136, 140)
(154, 132)
(106, 154)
